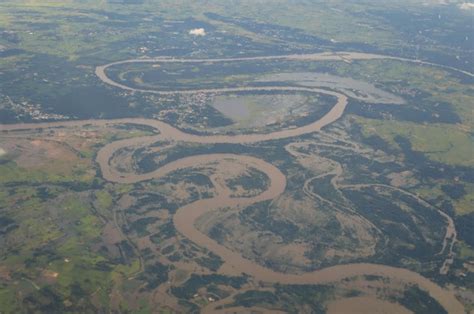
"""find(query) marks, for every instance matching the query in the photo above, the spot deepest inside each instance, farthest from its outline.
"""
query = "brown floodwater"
(185, 217)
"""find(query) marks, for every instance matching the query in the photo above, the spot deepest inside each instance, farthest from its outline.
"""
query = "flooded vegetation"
(216, 158)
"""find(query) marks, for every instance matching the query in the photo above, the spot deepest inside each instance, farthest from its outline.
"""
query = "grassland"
(443, 143)
(464, 205)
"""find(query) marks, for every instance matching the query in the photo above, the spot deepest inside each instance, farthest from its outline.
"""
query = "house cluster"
(33, 112)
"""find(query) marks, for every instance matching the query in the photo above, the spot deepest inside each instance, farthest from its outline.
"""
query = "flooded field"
(361, 305)
(353, 88)
(186, 216)
(256, 110)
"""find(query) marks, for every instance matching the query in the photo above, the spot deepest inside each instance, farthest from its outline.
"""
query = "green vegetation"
(419, 301)
(323, 20)
(291, 298)
(253, 181)
(443, 143)
(191, 286)
(255, 297)
(463, 205)
(213, 262)
(75, 175)
(70, 242)
(51, 228)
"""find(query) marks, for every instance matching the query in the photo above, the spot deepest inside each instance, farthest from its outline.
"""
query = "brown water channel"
(185, 217)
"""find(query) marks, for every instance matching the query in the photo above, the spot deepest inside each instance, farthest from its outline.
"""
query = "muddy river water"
(185, 217)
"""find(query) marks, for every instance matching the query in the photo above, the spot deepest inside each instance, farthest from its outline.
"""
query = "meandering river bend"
(185, 217)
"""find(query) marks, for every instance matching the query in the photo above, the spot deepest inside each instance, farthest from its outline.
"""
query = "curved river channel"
(185, 217)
